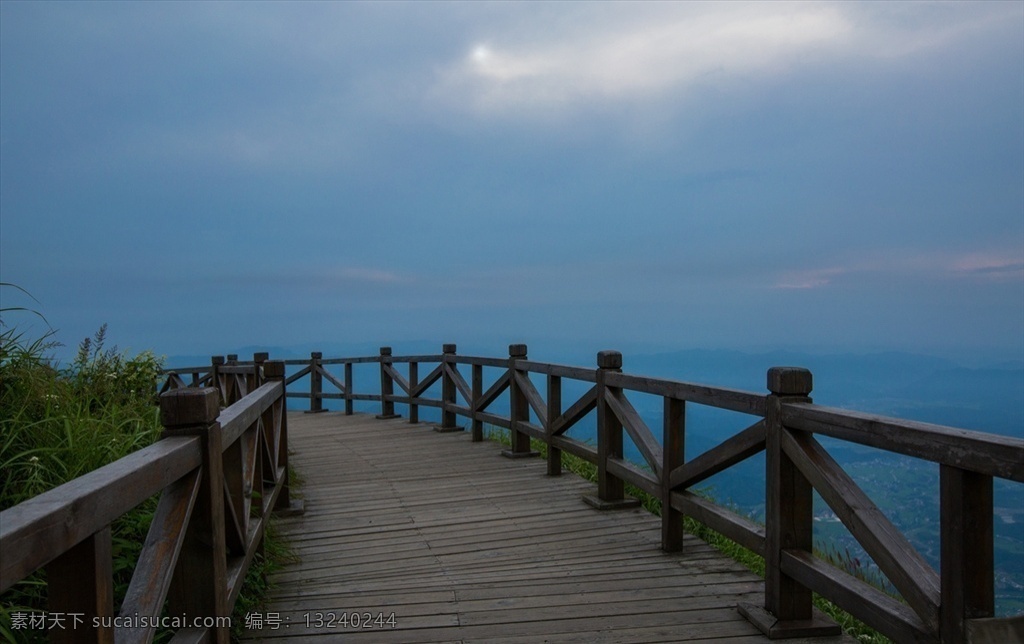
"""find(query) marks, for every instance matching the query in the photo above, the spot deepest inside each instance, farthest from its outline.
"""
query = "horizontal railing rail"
(219, 471)
(953, 604)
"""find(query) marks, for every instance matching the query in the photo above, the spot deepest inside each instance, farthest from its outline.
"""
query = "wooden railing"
(953, 605)
(220, 468)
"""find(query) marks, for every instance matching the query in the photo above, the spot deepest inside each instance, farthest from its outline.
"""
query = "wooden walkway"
(461, 544)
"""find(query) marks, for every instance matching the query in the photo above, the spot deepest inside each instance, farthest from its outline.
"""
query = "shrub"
(58, 424)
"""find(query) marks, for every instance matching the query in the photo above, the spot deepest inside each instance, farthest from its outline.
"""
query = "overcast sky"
(206, 176)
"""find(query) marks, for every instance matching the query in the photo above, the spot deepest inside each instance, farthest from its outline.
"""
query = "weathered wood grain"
(743, 531)
(876, 609)
(151, 579)
(890, 549)
(637, 429)
(360, 360)
(238, 418)
(562, 371)
(733, 399)
(461, 544)
(80, 583)
(719, 458)
(492, 393)
(794, 464)
(532, 396)
(36, 531)
(586, 404)
(988, 454)
(460, 383)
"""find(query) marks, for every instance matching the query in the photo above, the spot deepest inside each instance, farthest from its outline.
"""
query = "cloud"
(933, 266)
(989, 266)
(631, 53)
(368, 275)
(616, 62)
(808, 279)
(301, 278)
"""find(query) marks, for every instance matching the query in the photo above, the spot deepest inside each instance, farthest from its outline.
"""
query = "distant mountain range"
(902, 385)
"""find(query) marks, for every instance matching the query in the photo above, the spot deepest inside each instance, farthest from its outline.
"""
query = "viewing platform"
(432, 533)
(441, 539)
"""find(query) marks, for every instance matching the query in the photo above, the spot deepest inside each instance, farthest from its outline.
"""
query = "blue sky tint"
(206, 176)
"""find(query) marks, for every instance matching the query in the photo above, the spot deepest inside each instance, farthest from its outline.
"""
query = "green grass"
(57, 424)
(754, 562)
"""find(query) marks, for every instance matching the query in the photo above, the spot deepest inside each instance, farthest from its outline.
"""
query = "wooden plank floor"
(464, 545)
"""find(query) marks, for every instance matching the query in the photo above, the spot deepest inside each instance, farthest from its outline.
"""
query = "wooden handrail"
(944, 606)
(975, 451)
(220, 472)
(38, 530)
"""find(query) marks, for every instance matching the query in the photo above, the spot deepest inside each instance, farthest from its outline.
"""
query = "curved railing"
(219, 471)
(955, 603)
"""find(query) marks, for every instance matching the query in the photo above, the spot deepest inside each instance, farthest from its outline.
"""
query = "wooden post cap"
(189, 406)
(609, 360)
(385, 351)
(260, 356)
(217, 360)
(789, 381)
(517, 350)
(273, 369)
(315, 355)
(232, 357)
(447, 348)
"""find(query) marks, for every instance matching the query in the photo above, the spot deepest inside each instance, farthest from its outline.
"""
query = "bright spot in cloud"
(630, 53)
(480, 54)
(626, 60)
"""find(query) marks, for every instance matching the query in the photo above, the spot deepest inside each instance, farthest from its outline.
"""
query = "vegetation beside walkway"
(60, 422)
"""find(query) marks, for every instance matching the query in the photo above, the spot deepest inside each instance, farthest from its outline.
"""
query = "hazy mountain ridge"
(903, 385)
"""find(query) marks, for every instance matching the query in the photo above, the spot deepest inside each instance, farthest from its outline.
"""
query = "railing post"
(447, 392)
(80, 583)
(233, 382)
(216, 362)
(414, 379)
(478, 391)
(236, 381)
(273, 371)
(966, 550)
(316, 383)
(554, 411)
(673, 443)
(789, 504)
(387, 386)
(611, 490)
(789, 514)
(258, 377)
(348, 388)
(232, 394)
(518, 407)
(199, 586)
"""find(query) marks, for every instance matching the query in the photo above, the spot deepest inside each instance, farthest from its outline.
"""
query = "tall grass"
(58, 423)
